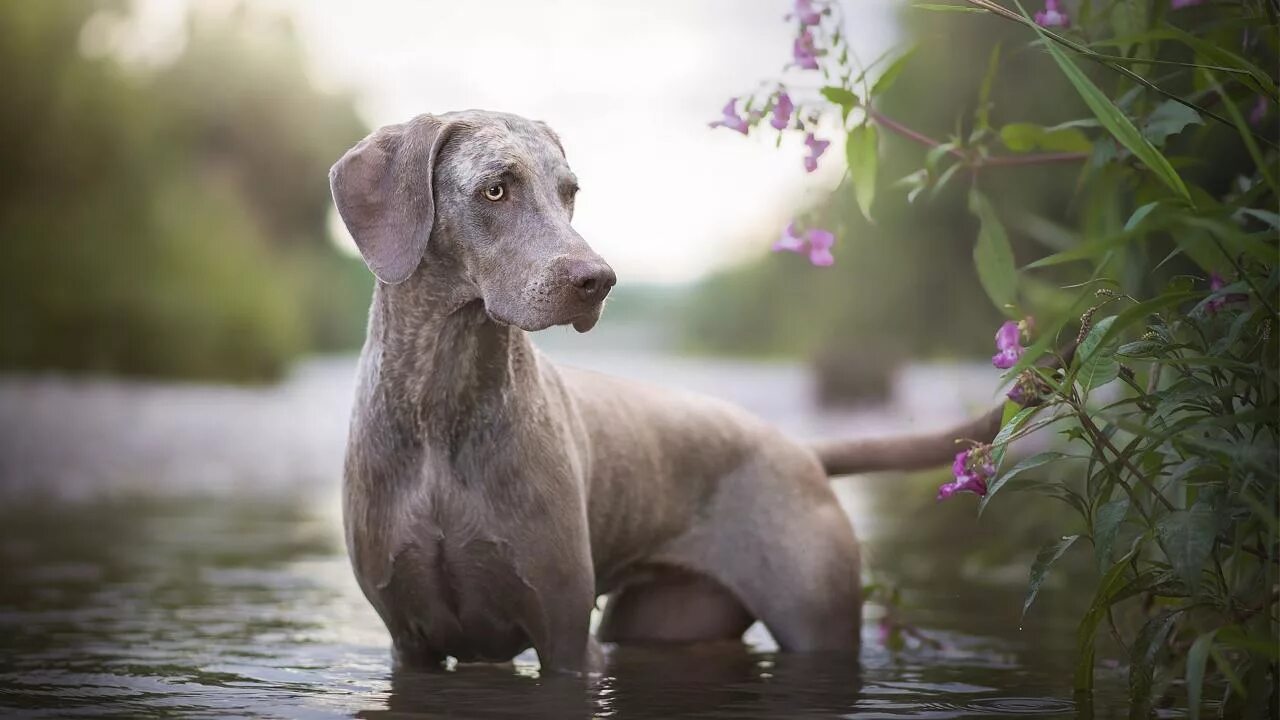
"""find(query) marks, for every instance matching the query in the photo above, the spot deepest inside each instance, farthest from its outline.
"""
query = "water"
(177, 551)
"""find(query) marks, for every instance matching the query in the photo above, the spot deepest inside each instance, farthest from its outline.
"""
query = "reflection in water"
(246, 607)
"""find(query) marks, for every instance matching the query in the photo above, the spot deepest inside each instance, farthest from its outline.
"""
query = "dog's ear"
(383, 190)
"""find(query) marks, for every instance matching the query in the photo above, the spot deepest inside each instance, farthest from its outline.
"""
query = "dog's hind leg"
(776, 538)
(673, 607)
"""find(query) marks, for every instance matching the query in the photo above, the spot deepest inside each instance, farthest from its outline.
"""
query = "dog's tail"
(904, 452)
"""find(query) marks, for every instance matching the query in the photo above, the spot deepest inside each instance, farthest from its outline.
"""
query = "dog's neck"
(444, 369)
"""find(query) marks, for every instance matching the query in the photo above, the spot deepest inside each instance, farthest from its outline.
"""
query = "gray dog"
(491, 497)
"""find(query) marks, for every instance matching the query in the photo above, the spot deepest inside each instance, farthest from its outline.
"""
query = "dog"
(490, 497)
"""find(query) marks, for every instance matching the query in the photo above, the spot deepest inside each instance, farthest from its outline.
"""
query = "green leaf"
(1234, 240)
(1129, 18)
(1235, 636)
(993, 257)
(1108, 590)
(1142, 349)
(1096, 359)
(916, 183)
(1266, 216)
(1142, 660)
(1048, 555)
(944, 178)
(840, 96)
(891, 73)
(860, 152)
(1187, 538)
(984, 95)
(1112, 118)
(1089, 250)
(1025, 137)
(1013, 425)
(1139, 215)
(1169, 118)
(1197, 659)
(1106, 526)
(1011, 410)
(1246, 135)
(1034, 461)
(1220, 55)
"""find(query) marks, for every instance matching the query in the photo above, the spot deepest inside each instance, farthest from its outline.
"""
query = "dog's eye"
(495, 192)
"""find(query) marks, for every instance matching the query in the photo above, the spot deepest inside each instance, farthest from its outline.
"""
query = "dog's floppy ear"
(382, 188)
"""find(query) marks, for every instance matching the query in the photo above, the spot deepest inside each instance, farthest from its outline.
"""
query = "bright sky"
(630, 87)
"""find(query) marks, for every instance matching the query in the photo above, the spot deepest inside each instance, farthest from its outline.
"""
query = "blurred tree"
(168, 221)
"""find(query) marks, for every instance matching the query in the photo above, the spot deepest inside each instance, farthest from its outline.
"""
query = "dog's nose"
(592, 280)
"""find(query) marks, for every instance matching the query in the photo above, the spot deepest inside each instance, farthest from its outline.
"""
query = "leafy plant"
(1168, 405)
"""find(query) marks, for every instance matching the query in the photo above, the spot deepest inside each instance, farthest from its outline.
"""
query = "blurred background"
(181, 310)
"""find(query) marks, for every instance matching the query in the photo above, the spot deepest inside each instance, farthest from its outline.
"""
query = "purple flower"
(782, 110)
(971, 469)
(731, 118)
(1017, 394)
(804, 52)
(1216, 304)
(1051, 16)
(1028, 389)
(1179, 4)
(820, 242)
(1008, 345)
(1259, 111)
(816, 241)
(806, 13)
(816, 148)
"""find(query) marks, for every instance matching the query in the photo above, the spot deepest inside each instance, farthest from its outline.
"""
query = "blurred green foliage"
(168, 220)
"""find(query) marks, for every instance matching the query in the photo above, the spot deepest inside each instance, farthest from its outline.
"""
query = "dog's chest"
(460, 593)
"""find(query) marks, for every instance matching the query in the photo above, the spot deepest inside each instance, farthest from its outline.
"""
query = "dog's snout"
(593, 280)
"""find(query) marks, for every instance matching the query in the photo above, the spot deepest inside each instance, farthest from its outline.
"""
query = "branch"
(968, 159)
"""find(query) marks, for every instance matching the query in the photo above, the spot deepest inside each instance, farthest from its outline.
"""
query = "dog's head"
(490, 194)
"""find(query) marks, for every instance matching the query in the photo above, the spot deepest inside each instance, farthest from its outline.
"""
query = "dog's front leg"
(567, 645)
(558, 619)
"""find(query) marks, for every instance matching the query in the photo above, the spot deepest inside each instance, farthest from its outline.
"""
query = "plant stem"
(968, 159)
(1034, 159)
(1087, 423)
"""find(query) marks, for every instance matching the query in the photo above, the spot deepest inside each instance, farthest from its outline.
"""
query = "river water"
(176, 550)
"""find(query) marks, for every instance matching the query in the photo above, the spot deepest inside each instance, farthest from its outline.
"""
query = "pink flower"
(884, 630)
(820, 242)
(1179, 4)
(1008, 345)
(816, 148)
(782, 110)
(731, 118)
(805, 13)
(1216, 304)
(1259, 111)
(971, 469)
(804, 52)
(816, 241)
(1052, 16)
